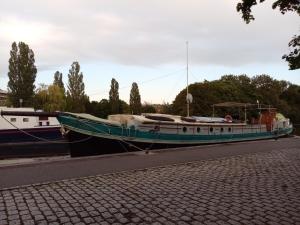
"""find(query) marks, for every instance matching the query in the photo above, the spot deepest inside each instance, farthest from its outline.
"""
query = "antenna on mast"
(189, 97)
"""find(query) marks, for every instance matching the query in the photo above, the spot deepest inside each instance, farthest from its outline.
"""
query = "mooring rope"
(78, 141)
(109, 134)
(44, 139)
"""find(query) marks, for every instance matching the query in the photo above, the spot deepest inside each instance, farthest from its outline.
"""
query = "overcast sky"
(144, 41)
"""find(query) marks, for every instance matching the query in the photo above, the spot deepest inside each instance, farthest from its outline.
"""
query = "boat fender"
(63, 131)
(276, 133)
(228, 119)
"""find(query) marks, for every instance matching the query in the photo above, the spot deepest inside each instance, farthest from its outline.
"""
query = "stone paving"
(262, 188)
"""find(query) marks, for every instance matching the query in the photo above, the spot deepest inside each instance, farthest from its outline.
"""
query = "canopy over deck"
(232, 104)
(243, 105)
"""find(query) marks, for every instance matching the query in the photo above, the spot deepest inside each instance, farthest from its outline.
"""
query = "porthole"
(222, 129)
(198, 129)
(184, 129)
(13, 119)
(211, 129)
(25, 120)
(229, 129)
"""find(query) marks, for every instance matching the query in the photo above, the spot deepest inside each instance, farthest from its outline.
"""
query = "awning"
(243, 105)
(233, 104)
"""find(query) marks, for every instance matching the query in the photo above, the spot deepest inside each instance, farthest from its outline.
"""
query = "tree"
(21, 75)
(166, 108)
(56, 99)
(41, 97)
(148, 108)
(114, 97)
(135, 99)
(76, 97)
(50, 98)
(104, 108)
(293, 58)
(58, 80)
(264, 88)
(124, 107)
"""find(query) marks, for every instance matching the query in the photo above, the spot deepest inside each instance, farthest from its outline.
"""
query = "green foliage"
(292, 98)
(21, 74)
(124, 107)
(94, 109)
(269, 90)
(103, 108)
(41, 96)
(280, 94)
(135, 99)
(100, 109)
(293, 58)
(106, 107)
(284, 6)
(166, 108)
(245, 8)
(76, 97)
(114, 97)
(148, 108)
(58, 80)
(50, 98)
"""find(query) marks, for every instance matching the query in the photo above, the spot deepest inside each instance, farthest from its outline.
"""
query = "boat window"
(198, 129)
(41, 123)
(13, 119)
(211, 129)
(229, 129)
(43, 117)
(25, 120)
(184, 129)
(48, 123)
(222, 129)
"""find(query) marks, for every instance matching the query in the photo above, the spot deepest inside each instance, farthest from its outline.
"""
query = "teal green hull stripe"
(96, 129)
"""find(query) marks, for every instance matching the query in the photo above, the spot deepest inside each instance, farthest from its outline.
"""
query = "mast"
(187, 79)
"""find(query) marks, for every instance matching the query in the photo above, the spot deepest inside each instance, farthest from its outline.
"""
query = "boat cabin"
(24, 122)
(196, 125)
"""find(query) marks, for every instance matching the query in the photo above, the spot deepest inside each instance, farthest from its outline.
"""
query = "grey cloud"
(148, 33)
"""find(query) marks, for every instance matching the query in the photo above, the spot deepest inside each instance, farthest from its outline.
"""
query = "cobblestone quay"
(260, 188)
